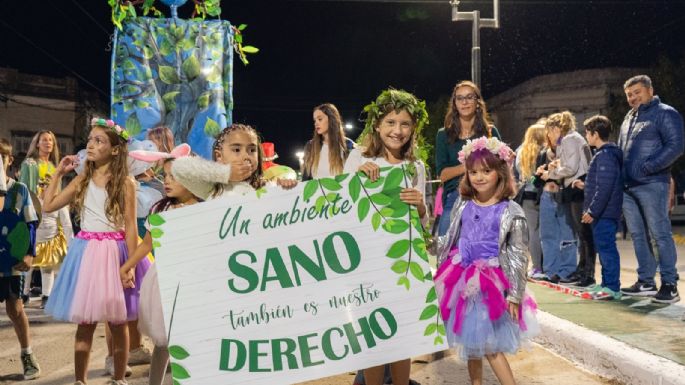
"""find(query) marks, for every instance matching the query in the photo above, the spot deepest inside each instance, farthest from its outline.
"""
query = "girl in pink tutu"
(89, 289)
(151, 318)
(481, 279)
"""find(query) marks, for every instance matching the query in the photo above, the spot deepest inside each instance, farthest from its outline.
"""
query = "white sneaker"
(139, 356)
(109, 367)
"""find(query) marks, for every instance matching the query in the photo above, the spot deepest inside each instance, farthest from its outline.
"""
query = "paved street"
(53, 342)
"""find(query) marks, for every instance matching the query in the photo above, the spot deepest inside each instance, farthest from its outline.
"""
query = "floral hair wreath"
(494, 145)
(108, 123)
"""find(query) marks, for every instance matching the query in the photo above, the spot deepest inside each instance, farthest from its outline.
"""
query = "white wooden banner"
(280, 287)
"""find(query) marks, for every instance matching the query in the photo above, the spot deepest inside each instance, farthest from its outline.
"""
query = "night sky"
(345, 52)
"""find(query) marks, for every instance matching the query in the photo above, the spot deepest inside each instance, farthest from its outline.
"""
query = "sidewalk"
(632, 341)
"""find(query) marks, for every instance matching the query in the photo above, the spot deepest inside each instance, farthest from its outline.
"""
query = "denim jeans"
(604, 232)
(447, 206)
(532, 212)
(645, 208)
(559, 245)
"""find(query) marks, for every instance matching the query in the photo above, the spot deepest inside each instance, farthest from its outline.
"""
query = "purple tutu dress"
(472, 288)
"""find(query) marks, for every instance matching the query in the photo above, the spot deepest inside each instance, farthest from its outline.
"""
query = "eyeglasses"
(470, 98)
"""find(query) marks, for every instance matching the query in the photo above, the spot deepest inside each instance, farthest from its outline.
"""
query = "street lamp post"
(478, 23)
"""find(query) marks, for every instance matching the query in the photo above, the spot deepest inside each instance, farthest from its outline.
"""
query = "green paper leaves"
(363, 208)
(178, 352)
(156, 220)
(309, 190)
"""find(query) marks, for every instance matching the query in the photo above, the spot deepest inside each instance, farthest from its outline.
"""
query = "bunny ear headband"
(179, 151)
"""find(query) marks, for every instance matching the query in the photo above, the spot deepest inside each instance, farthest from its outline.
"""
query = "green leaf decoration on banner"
(419, 246)
(438, 341)
(386, 212)
(393, 180)
(178, 352)
(431, 296)
(403, 281)
(168, 75)
(156, 244)
(428, 312)
(341, 177)
(399, 267)
(332, 197)
(375, 221)
(363, 208)
(416, 270)
(156, 220)
(260, 191)
(309, 189)
(371, 184)
(179, 372)
(355, 188)
(156, 232)
(395, 226)
(380, 199)
(320, 202)
(430, 329)
(330, 184)
(398, 248)
(428, 276)
(441, 329)
(176, 383)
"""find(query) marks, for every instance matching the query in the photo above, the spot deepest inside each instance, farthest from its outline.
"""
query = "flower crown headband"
(494, 145)
(108, 123)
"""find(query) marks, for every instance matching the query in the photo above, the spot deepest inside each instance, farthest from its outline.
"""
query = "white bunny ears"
(179, 151)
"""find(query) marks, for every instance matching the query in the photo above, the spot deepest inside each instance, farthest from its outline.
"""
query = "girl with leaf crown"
(393, 127)
(481, 279)
(88, 289)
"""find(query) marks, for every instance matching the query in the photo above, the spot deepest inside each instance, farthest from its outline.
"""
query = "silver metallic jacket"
(513, 245)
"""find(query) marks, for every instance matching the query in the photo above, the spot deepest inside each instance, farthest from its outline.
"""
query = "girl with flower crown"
(88, 289)
(481, 279)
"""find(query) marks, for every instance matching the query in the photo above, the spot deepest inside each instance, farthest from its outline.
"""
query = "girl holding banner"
(394, 122)
(481, 279)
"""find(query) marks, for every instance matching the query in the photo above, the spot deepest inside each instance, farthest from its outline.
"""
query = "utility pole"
(478, 23)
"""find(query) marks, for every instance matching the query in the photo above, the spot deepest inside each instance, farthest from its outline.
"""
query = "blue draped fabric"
(177, 73)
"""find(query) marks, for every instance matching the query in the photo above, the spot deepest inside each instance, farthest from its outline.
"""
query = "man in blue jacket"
(602, 203)
(652, 140)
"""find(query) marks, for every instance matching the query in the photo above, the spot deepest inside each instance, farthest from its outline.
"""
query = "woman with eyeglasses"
(466, 118)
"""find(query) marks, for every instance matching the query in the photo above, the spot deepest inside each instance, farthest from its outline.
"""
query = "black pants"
(588, 254)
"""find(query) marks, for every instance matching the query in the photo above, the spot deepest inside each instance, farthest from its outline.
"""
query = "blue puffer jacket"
(604, 184)
(652, 140)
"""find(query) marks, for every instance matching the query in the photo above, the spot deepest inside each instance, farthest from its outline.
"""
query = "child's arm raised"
(199, 176)
(130, 222)
(50, 201)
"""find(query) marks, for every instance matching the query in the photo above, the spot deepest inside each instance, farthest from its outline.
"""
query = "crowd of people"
(542, 212)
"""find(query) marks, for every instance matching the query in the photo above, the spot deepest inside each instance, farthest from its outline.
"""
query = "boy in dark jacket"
(603, 200)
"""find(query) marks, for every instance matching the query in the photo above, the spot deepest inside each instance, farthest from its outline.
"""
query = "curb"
(606, 356)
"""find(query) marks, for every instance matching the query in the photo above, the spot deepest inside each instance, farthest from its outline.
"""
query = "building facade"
(584, 93)
(30, 103)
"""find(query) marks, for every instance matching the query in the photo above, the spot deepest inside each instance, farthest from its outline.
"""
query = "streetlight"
(300, 156)
(478, 23)
(349, 126)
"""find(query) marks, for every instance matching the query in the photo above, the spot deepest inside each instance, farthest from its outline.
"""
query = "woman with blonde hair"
(573, 160)
(467, 118)
(326, 152)
(54, 230)
(528, 197)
